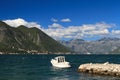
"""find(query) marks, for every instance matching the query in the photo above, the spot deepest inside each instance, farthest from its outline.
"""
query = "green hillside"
(30, 40)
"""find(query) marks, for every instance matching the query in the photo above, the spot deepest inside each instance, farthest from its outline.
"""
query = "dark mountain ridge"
(30, 40)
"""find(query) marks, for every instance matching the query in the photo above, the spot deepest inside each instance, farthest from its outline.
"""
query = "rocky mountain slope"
(102, 46)
(30, 40)
(116, 50)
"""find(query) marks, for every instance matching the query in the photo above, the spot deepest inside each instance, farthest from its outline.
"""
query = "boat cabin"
(60, 59)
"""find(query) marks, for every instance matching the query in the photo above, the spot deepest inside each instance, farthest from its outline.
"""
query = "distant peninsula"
(27, 40)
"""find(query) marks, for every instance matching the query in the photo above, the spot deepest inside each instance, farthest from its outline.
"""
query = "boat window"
(58, 60)
(61, 59)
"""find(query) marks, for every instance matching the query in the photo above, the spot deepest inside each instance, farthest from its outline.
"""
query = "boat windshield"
(61, 59)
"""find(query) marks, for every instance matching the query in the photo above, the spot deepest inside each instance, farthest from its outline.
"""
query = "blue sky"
(101, 16)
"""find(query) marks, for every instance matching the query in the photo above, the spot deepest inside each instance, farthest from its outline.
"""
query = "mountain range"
(32, 40)
(105, 45)
(27, 40)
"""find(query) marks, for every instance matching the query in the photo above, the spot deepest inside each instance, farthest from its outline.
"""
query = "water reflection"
(58, 78)
(59, 73)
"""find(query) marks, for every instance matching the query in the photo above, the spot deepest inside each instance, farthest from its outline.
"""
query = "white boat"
(60, 62)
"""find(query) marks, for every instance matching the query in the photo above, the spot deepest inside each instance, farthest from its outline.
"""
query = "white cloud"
(54, 20)
(98, 32)
(116, 32)
(97, 29)
(65, 20)
(20, 21)
(58, 31)
(55, 26)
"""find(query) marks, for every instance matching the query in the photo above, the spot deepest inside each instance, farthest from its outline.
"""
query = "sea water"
(38, 67)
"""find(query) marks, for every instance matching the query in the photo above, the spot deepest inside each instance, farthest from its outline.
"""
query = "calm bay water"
(38, 67)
